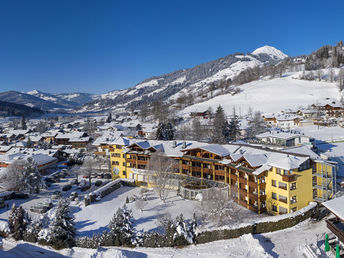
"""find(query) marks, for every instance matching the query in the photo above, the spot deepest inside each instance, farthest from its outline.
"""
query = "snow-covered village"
(126, 132)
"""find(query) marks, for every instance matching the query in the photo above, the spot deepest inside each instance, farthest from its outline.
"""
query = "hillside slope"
(266, 95)
(12, 109)
(190, 80)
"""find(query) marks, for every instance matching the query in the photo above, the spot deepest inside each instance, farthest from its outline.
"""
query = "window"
(293, 199)
(119, 147)
(293, 186)
(273, 183)
(282, 185)
(294, 209)
(274, 208)
(274, 196)
(124, 164)
(278, 171)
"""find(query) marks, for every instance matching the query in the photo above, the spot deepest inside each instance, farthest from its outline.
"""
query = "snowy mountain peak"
(270, 51)
(33, 92)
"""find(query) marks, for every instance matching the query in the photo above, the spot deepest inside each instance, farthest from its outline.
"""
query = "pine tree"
(169, 132)
(121, 227)
(109, 118)
(17, 222)
(62, 229)
(219, 125)
(29, 143)
(234, 129)
(165, 131)
(23, 123)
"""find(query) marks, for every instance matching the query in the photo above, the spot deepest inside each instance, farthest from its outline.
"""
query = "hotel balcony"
(288, 178)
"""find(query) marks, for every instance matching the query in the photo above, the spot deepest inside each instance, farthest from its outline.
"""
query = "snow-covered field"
(96, 217)
(324, 133)
(272, 96)
(284, 243)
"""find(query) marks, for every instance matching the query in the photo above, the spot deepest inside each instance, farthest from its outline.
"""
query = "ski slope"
(271, 96)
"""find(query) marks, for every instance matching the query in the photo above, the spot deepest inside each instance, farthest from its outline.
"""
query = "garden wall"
(264, 225)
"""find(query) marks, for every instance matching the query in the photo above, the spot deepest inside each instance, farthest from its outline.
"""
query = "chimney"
(174, 144)
(184, 145)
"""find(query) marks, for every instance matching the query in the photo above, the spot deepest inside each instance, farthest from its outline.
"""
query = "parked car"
(82, 183)
(101, 175)
(85, 188)
(41, 207)
(73, 196)
(66, 187)
(2, 203)
(98, 183)
(107, 175)
(74, 181)
(56, 195)
(56, 178)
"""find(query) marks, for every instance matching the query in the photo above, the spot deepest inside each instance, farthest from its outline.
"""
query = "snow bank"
(4, 227)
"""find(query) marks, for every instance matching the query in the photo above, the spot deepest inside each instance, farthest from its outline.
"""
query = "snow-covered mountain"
(272, 96)
(193, 80)
(65, 100)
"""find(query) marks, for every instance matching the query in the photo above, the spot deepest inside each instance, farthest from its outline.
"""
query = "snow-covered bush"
(121, 228)
(17, 222)
(22, 175)
(32, 230)
(60, 233)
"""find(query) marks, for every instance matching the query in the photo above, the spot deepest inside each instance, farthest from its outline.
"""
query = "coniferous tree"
(23, 123)
(234, 129)
(219, 125)
(121, 227)
(17, 222)
(109, 118)
(62, 230)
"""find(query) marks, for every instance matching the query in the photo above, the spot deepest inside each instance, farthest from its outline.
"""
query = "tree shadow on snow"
(266, 243)
(145, 219)
(90, 233)
(83, 223)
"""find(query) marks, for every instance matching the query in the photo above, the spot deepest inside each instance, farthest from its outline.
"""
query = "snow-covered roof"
(213, 148)
(69, 135)
(336, 206)
(303, 150)
(256, 160)
(287, 162)
(278, 135)
(81, 139)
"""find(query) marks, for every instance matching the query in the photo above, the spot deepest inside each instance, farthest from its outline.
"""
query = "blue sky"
(102, 45)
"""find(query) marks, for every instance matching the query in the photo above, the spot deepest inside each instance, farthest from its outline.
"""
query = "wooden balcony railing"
(336, 228)
(288, 178)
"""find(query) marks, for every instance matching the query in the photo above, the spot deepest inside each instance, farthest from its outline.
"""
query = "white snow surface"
(284, 243)
(271, 96)
(271, 51)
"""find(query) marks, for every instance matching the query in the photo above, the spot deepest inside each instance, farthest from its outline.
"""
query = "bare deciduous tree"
(87, 168)
(219, 207)
(160, 166)
(22, 175)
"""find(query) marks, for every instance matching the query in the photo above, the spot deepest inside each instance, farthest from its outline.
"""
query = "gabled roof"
(287, 162)
(213, 148)
(255, 160)
(336, 206)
